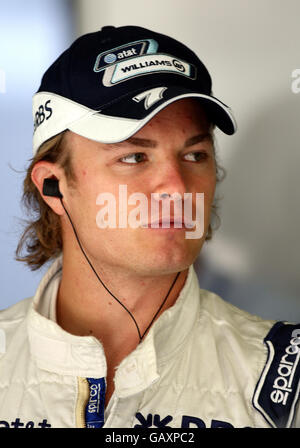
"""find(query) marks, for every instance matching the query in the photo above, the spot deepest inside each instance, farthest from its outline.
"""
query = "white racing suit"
(203, 364)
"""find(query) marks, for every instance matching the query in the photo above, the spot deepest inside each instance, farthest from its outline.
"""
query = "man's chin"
(151, 257)
(166, 265)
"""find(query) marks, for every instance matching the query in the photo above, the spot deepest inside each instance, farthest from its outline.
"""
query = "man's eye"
(196, 156)
(134, 158)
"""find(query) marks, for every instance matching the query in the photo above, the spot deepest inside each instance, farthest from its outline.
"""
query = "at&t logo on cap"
(110, 58)
(123, 52)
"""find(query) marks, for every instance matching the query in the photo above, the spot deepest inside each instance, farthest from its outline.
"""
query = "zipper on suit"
(82, 401)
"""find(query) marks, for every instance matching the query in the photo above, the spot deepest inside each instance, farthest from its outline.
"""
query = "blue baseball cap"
(108, 84)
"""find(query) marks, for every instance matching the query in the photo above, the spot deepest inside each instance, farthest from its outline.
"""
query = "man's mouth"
(169, 223)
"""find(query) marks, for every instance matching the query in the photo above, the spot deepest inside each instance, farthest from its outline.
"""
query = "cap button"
(108, 28)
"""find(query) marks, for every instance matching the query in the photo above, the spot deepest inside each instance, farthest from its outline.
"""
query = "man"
(118, 333)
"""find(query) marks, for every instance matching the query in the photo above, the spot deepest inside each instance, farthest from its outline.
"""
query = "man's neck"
(85, 307)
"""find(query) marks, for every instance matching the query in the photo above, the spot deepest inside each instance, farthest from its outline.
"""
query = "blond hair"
(42, 237)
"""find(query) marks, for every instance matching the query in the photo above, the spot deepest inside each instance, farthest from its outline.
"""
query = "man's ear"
(46, 170)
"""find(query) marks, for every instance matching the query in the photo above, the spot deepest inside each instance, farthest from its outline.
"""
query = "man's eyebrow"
(198, 139)
(148, 143)
(144, 142)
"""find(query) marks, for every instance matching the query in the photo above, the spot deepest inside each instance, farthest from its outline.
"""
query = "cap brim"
(112, 129)
(119, 121)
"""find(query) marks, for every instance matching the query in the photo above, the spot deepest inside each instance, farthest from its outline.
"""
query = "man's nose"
(170, 179)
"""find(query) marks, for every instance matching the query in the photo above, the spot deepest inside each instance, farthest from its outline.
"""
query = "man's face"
(173, 153)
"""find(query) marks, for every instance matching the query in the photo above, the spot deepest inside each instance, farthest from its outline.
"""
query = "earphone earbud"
(51, 188)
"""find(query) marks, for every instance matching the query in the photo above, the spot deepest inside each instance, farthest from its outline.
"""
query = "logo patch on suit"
(277, 391)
